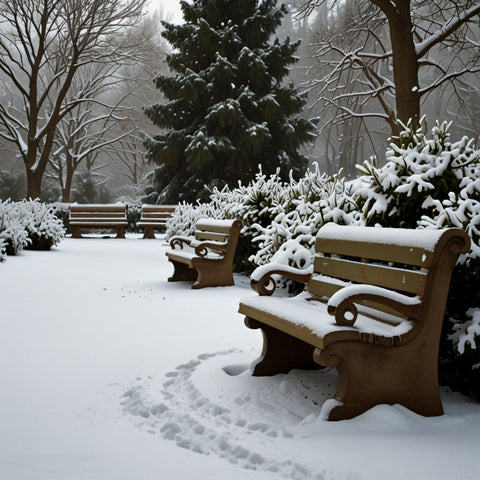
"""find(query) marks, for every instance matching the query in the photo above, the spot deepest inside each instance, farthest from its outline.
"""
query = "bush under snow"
(28, 224)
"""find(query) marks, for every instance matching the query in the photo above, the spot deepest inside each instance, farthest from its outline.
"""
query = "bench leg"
(120, 232)
(212, 274)
(281, 352)
(370, 375)
(76, 232)
(148, 232)
(182, 272)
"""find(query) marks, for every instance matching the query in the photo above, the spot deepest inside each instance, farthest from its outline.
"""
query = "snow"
(426, 239)
(110, 372)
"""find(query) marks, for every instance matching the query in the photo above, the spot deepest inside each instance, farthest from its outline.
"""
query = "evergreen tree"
(228, 108)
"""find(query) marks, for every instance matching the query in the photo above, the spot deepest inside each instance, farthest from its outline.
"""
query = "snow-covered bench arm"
(342, 303)
(202, 248)
(180, 241)
(262, 282)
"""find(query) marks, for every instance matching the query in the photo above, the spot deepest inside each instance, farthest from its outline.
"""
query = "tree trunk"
(405, 64)
(34, 185)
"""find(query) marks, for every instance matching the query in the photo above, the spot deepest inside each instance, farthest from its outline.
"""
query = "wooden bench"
(373, 307)
(154, 216)
(98, 216)
(207, 257)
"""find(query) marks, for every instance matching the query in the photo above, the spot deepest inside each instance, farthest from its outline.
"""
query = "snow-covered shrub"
(44, 228)
(29, 224)
(13, 232)
(308, 204)
(3, 250)
(185, 217)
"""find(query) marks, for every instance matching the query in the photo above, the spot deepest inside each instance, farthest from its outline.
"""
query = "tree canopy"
(228, 105)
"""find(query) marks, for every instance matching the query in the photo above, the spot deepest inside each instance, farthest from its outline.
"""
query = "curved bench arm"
(262, 282)
(179, 241)
(202, 248)
(342, 303)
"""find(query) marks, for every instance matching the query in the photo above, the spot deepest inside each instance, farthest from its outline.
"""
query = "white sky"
(170, 6)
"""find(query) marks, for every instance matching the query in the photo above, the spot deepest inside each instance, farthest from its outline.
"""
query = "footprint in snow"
(212, 405)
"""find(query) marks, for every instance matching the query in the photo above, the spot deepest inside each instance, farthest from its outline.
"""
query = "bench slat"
(383, 276)
(213, 225)
(97, 208)
(99, 215)
(218, 237)
(419, 257)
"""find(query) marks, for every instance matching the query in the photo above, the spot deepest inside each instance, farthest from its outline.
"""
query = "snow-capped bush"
(13, 232)
(306, 205)
(44, 228)
(3, 250)
(29, 224)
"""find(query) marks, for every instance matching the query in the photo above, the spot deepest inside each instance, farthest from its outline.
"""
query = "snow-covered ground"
(108, 372)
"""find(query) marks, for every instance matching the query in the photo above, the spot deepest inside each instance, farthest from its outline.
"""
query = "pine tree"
(228, 106)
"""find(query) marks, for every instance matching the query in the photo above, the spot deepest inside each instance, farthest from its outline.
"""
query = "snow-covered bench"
(373, 308)
(154, 216)
(207, 257)
(98, 216)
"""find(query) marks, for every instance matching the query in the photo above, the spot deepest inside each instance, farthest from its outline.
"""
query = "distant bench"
(154, 216)
(207, 257)
(98, 216)
(373, 308)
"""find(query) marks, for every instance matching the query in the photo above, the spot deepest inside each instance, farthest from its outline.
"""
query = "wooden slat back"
(215, 236)
(153, 215)
(394, 278)
(379, 251)
(166, 209)
(372, 257)
(97, 208)
(86, 215)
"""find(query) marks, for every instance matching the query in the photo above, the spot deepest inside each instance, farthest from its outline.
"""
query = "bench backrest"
(107, 211)
(224, 231)
(413, 262)
(154, 212)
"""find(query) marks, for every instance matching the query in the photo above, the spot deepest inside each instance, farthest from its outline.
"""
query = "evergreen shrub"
(134, 212)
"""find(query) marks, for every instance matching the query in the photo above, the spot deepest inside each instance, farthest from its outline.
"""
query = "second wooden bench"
(154, 216)
(207, 257)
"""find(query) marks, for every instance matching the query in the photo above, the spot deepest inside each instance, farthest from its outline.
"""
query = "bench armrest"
(180, 241)
(262, 282)
(202, 248)
(342, 303)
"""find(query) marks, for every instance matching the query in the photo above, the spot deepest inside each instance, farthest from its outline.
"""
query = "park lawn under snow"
(110, 372)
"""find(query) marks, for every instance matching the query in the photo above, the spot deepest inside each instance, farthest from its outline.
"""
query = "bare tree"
(89, 127)
(396, 52)
(43, 45)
